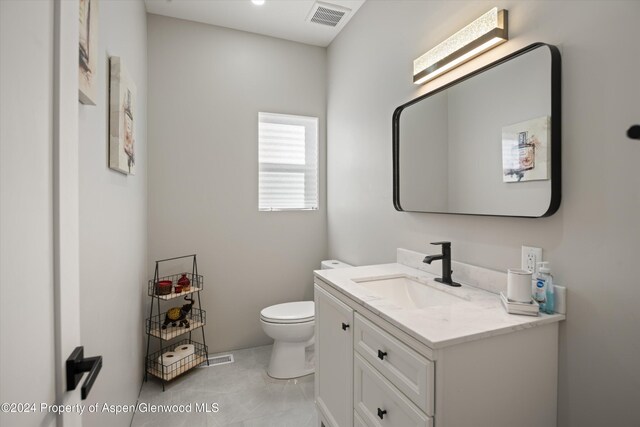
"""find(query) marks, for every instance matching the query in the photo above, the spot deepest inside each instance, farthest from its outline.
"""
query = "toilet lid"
(290, 312)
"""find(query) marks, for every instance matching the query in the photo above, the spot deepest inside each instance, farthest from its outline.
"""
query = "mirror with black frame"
(485, 144)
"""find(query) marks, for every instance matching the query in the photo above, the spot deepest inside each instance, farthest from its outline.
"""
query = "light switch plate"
(531, 256)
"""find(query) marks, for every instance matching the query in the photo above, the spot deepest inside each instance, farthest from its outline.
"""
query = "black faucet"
(445, 256)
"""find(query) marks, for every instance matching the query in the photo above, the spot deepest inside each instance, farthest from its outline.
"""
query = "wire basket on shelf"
(195, 319)
(197, 284)
(167, 366)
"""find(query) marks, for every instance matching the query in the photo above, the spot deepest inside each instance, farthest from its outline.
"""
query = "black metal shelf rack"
(155, 363)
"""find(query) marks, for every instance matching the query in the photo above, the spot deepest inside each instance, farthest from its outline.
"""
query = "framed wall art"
(122, 115)
(525, 150)
(88, 52)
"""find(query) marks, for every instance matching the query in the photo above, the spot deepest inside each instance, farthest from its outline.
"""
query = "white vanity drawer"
(357, 421)
(379, 403)
(410, 372)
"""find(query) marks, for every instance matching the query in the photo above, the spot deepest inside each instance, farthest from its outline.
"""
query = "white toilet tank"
(333, 263)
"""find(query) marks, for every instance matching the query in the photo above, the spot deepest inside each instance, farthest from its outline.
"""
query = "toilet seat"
(290, 312)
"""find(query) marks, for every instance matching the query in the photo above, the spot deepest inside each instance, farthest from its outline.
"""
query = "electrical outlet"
(530, 258)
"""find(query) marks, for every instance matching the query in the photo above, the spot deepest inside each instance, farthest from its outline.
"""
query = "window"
(288, 162)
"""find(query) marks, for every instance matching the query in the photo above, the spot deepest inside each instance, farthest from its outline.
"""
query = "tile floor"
(246, 396)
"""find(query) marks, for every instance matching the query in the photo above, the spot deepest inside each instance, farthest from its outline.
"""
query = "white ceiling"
(285, 19)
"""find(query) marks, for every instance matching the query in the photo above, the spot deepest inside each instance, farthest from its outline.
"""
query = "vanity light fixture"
(484, 33)
(257, 2)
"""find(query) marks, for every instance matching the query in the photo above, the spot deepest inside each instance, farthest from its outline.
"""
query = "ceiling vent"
(327, 14)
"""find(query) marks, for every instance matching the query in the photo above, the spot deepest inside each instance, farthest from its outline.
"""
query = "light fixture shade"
(486, 32)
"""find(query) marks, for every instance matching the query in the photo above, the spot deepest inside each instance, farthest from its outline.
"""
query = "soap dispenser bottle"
(544, 288)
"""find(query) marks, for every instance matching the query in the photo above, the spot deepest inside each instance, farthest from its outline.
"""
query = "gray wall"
(206, 87)
(593, 242)
(26, 229)
(113, 222)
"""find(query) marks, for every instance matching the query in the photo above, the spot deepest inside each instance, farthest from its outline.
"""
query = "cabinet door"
(334, 359)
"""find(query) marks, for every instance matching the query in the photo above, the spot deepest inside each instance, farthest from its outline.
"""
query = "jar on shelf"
(184, 282)
(163, 287)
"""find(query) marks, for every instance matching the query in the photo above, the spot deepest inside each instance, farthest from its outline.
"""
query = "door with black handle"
(77, 365)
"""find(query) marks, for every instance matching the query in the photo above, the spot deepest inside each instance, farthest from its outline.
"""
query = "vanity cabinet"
(375, 373)
(334, 360)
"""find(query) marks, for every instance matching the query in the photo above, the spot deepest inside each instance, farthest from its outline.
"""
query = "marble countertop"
(478, 313)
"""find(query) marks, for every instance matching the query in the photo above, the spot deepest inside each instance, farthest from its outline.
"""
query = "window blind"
(288, 162)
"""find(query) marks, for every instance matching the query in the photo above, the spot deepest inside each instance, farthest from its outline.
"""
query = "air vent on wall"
(327, 14)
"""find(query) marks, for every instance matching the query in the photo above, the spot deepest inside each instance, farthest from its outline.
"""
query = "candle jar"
(163, 287)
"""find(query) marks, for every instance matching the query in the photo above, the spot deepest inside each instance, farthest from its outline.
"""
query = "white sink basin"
(407, 292)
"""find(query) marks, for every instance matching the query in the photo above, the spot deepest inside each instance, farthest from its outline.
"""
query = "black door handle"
(345, 326)
(381, 354)
(77, 364)
(381, 413)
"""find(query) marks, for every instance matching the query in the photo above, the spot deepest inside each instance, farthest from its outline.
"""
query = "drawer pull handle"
(345, 326)
(381, 354)
(381, 413)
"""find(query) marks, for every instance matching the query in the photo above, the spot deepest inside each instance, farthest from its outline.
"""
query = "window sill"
(286, 209)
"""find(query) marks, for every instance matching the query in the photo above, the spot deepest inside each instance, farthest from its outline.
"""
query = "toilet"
(291, 325)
